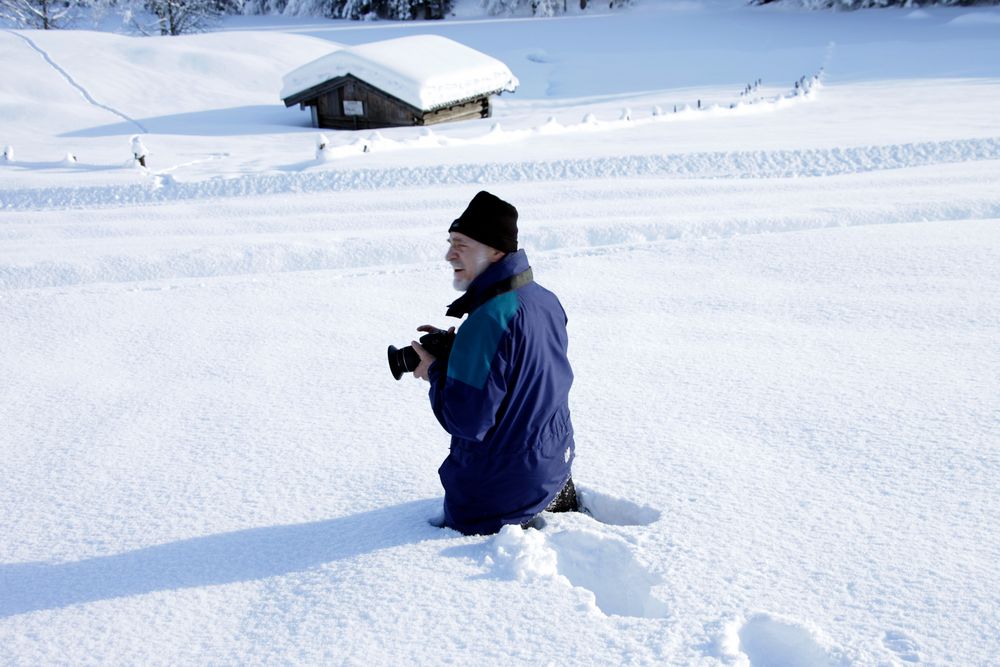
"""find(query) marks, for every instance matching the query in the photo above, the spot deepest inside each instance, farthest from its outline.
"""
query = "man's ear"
(496, 255)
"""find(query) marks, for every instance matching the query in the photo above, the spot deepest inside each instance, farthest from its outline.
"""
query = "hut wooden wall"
(475, 109)
(381, 110)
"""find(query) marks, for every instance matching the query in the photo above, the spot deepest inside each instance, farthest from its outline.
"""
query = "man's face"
(468, 258)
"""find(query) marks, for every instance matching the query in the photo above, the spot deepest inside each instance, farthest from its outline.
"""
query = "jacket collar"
(502, 276)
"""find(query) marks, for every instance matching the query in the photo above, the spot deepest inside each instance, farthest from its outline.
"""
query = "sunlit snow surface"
(784, 312)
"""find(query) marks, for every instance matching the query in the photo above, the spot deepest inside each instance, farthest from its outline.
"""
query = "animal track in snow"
(73, 82)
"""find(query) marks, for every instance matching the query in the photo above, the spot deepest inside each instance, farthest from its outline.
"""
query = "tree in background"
(874, 4)
(44, 14)
(264, 7)
(543, 7)
(177, 17)
(395, 10)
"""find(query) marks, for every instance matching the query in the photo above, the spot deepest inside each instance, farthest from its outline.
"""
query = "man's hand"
(421, 371)
(426, 359)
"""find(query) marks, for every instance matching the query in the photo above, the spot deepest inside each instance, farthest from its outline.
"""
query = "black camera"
(405, 360)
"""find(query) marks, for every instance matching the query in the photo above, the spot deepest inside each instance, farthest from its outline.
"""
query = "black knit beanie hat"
(490, 220)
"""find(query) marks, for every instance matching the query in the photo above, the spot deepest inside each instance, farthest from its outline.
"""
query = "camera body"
(437, 343)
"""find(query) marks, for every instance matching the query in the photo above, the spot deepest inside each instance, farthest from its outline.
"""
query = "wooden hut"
(417, 80)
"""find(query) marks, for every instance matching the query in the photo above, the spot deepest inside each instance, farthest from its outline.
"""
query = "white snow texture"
(776, 234)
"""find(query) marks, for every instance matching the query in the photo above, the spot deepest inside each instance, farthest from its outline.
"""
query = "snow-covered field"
(784, 323)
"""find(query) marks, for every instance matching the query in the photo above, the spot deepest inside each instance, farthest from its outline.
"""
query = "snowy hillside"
(784, 312)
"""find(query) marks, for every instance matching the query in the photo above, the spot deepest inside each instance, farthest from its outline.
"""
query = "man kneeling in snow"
(503, 392)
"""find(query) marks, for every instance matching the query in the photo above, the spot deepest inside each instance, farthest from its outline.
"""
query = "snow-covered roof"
(426, 71)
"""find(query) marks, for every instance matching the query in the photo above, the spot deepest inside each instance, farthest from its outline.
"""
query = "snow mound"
(523, 554)
(976, 19)
(602, 565)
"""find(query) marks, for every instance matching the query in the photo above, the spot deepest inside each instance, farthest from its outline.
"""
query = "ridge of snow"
(104, 242)
(735, 164)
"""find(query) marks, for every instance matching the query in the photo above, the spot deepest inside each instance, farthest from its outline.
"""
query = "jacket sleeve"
(468, 392)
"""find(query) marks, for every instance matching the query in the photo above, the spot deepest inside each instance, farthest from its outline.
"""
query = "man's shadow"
(245, 555)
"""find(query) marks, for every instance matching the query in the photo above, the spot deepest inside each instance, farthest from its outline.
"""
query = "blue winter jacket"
(503, 397)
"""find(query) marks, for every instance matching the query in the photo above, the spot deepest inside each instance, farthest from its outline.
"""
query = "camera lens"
(402, 361)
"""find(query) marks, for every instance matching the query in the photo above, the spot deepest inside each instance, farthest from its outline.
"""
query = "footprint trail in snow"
(586, 557)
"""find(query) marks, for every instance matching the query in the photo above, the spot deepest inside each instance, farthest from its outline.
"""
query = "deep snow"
(783, 322)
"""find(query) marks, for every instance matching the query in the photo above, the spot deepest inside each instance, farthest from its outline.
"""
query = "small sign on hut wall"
(354, 108)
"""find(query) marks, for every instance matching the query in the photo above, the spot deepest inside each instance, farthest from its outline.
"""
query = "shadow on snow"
(231, 122)
(226, 558)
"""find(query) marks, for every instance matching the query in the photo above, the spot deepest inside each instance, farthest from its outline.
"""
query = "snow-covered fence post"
(376, 139)
(139, 152)
(8, 153)
(321, 145)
